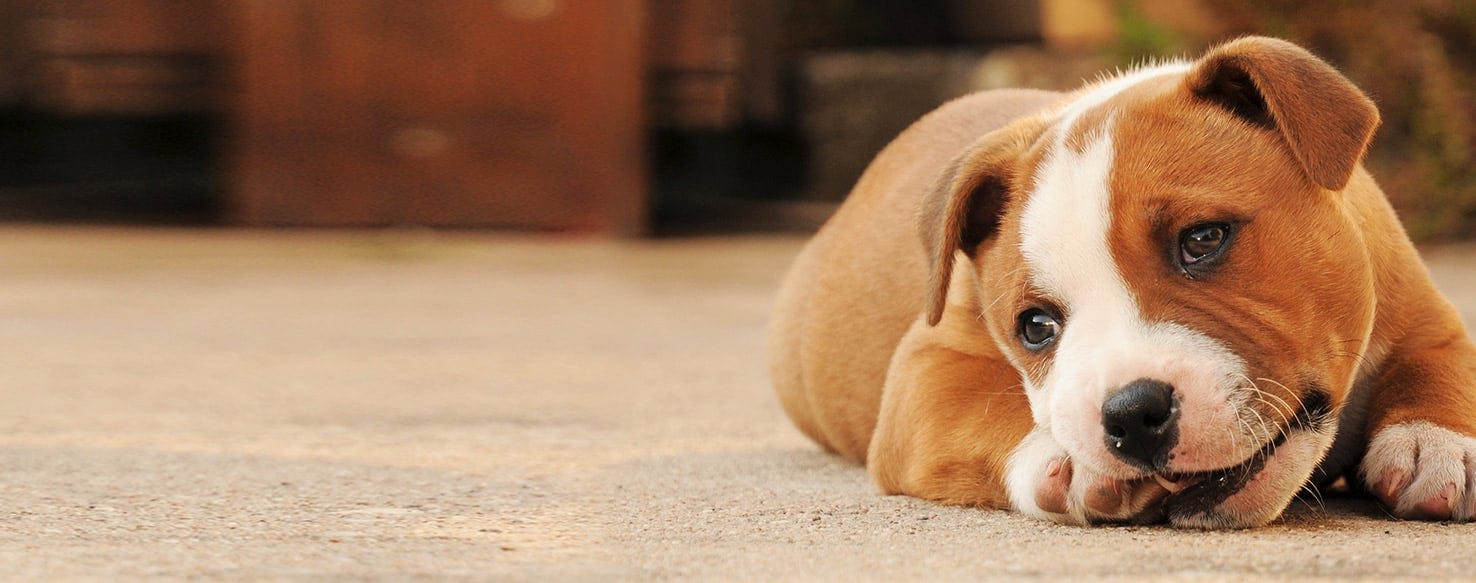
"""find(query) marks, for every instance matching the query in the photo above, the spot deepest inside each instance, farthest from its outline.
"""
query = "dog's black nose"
(1141, 422)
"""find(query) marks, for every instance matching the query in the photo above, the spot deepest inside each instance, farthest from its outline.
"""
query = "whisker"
(1250, 431)
(1300, 404)
(1256, 393)
(1261, 421)
(1242, 419)
(1002, 294)
(1010, 390)
(1286, 418)
(1285, 421)
(1317, 495)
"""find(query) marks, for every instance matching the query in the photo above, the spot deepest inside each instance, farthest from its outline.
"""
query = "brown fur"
(935, 410)
(862, 281)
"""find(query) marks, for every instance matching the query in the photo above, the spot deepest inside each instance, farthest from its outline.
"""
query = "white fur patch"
(1426, 461)
(1105, 343)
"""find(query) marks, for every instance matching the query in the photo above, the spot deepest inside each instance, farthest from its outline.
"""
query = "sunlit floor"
(279, 404)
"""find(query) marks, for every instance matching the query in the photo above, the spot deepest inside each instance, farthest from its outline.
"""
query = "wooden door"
(500, 113)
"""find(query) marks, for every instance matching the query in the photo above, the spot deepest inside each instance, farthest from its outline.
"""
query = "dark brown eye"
(1038, 328)
(1202, 241)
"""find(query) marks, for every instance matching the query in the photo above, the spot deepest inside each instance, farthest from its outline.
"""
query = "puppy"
(1172, 295)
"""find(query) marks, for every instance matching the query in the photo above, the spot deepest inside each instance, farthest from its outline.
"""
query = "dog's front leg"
(955, 427)
(1421, 461)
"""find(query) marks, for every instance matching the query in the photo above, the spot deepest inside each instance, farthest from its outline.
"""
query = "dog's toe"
(1052, 492)
(1423, 471)
(1392, 481)
(1101, 499)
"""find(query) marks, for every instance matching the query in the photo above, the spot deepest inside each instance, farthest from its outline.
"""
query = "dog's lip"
(1201, 491)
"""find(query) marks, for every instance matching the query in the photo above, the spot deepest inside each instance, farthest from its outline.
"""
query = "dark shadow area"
(151, 169)
(768, 131)
(709, 182)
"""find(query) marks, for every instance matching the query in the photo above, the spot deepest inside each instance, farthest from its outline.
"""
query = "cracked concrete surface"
(262, 404)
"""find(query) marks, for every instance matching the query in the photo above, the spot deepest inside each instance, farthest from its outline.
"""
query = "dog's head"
(1168, 261)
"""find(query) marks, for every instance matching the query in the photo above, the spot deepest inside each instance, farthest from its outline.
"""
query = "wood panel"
(121, 56)
(697, 53)
(515, 113)
(12, 50)
(91, 27)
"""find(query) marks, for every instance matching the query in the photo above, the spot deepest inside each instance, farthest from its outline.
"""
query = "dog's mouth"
(1200, 492)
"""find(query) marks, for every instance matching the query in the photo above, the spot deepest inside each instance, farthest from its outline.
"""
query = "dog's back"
(857, 286)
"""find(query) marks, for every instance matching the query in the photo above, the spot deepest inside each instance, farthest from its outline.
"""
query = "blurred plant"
(1416, 58)
(1139, 38)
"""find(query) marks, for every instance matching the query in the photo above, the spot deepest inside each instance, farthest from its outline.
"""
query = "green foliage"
(1140, 38)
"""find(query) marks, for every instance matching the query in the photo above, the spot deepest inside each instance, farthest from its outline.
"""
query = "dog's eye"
(1201, 242)
(1038, 328)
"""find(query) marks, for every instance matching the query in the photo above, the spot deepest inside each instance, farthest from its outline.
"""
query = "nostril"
(1154, 421)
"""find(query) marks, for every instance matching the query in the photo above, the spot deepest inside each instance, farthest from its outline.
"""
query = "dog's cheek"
(1040, 405)
(1039, 389)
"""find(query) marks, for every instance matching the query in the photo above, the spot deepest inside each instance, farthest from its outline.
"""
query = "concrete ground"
(245, 405)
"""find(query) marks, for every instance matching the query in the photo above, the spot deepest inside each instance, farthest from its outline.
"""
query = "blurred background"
(616, 117)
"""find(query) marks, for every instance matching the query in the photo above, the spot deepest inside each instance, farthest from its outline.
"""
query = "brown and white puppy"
(1174, 294)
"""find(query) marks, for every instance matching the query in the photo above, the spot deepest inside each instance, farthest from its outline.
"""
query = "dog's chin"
(1252, 493)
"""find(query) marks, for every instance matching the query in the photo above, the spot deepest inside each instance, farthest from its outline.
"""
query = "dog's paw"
(1423, 471)
(1044, 483)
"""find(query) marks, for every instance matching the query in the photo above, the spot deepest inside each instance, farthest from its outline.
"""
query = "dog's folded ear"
(1324, 119)
(963, 209)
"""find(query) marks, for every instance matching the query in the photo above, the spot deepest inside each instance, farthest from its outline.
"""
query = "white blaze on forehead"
(1064, 226)
(1107, 89)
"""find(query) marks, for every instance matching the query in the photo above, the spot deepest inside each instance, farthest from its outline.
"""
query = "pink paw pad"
(1437, 507)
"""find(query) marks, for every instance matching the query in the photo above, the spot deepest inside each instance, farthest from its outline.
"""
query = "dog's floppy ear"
(1325, 120)
(963, 208)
